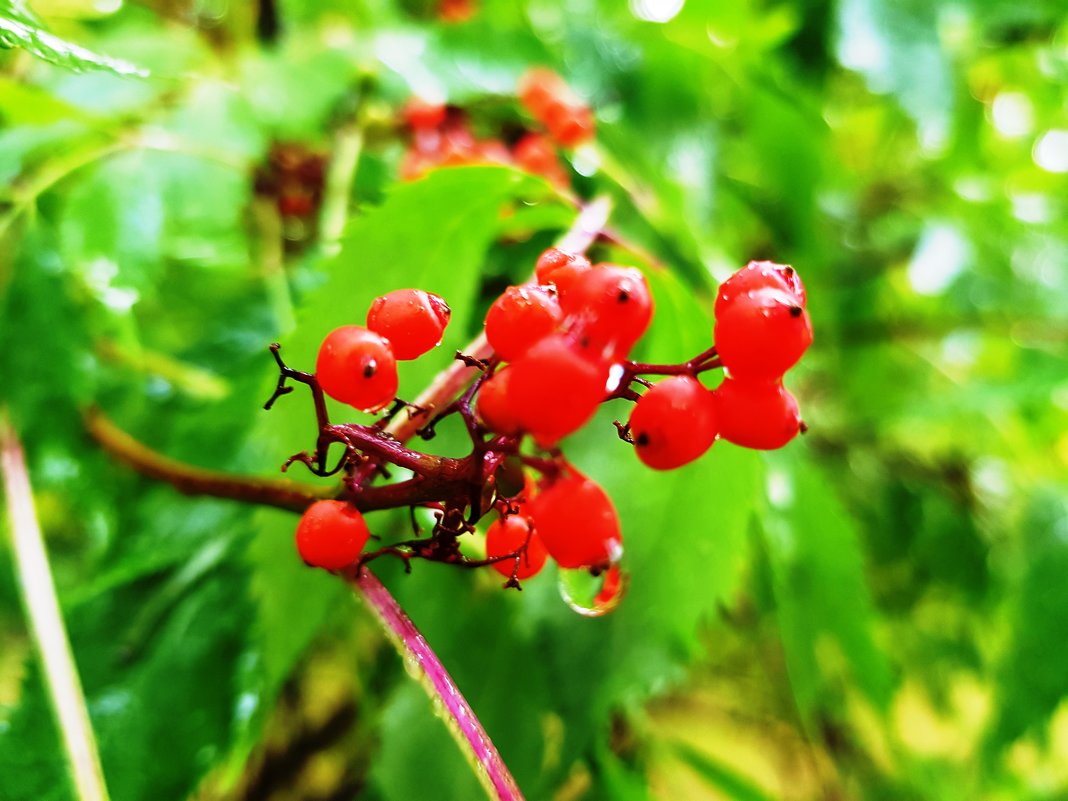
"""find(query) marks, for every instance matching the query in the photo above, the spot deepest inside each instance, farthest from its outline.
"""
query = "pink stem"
(415, 649)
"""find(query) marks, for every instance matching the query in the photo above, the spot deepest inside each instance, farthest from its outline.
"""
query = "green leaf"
(718, 775)
(432, 234)
(822, 600)
(19, 31)
(686, 538)
(32, 760)
(1032, 676)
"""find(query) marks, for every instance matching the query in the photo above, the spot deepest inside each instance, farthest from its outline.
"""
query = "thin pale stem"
(46, 622)
(348, 145)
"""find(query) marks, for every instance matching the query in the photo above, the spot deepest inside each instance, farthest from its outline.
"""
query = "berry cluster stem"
(437, 682)
(442, 482)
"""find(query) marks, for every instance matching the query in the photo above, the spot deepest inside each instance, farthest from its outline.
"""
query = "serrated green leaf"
(432, 234)
(38, 42)
(822, 602)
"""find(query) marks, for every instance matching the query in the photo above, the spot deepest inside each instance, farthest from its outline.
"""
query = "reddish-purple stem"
(416, 650)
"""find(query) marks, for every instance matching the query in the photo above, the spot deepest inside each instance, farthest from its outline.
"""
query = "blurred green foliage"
(877, 612)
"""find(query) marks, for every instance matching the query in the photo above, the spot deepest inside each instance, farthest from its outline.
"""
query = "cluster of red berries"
(762, 329)
(560, 348)
(560, 338)
(556, 107)
(357, 365)
(441, 136)
(566, 516)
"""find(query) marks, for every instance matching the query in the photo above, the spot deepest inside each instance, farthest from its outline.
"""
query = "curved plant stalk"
(423, 664)
(46, 622)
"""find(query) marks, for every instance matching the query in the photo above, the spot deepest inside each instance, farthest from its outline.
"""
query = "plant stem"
(348, 144)
(46, 622)
(411, 645)
(191, 480)
(424, 664)
(449, 382)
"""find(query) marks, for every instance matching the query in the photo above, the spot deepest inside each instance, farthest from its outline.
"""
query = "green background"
(878, 611)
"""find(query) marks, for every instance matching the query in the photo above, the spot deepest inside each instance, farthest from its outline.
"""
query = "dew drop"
(593, 595)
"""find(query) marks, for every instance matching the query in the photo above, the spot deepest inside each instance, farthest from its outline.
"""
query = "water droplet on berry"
(593, 595)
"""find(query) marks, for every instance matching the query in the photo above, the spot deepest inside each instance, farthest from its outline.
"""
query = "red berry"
(453, 11)
(331, 535)
(674, 423)
(296, 203)
(554, 389)
(762, 334)
(577, 522)
(756, 414)
(536, 154)
(509, 534)
(423, 115)
(412, 320)
(538, 88)
(570, 124)
(357, 367)
(759, 275)
(560, 269)
(493, 406)
(609, 307)
(521, 317)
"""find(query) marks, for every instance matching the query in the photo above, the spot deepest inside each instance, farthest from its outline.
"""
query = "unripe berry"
(554, 389)
(756, 414)
(577, 522)
(521, 317)
(674, 423)
(357, 367)
(509, 534)
(331, 535)
(762, 334)
(412, 320)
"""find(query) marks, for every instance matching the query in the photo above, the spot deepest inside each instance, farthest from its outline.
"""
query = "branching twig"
(452, 483)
